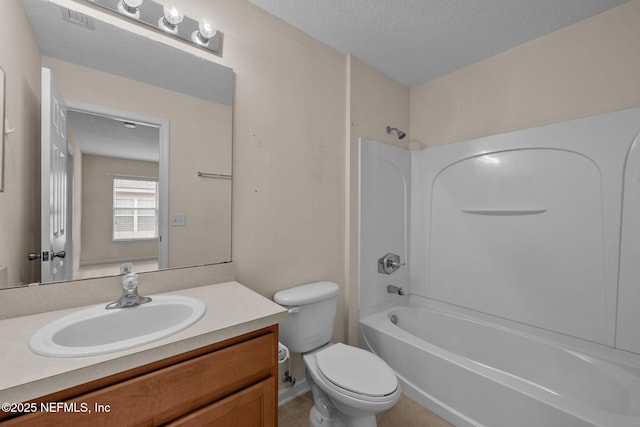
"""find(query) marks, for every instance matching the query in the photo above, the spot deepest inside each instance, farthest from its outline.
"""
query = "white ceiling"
(414, 41)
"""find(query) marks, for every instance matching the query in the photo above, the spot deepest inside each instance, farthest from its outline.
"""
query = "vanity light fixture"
(168, 19)
(130, 8)
(171, 17)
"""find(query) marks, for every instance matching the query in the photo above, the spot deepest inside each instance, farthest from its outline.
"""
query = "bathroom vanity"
(221, 370)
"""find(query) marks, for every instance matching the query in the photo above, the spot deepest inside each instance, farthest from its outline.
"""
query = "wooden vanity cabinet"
(232, 383)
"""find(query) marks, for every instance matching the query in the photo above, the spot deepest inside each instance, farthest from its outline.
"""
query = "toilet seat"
(356, 372)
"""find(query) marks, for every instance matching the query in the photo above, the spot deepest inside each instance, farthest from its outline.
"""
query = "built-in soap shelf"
(505, 212)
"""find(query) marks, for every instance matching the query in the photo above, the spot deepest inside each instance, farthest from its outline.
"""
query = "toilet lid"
(356, 370)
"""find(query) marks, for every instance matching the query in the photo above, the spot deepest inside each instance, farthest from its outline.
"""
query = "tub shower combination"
(522, 299)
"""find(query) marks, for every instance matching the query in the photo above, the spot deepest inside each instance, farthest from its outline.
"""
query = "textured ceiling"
(414, 41)
(105, 136)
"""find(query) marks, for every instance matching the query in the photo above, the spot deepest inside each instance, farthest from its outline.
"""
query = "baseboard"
(290, 393)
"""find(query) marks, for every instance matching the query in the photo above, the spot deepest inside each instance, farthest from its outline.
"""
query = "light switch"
(177, 219)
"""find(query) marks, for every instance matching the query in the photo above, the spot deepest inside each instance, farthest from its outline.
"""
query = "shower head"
(400, 133)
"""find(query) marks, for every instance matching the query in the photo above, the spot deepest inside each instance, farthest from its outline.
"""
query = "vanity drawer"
(254, 406)
(166, 394)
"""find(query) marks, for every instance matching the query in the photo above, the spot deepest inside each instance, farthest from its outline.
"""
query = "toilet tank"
(312, 313)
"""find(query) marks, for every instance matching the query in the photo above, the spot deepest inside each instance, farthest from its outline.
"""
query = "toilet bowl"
(349, 385)
(357, 383)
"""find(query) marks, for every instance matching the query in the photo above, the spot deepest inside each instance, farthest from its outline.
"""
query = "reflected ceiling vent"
(77, 18)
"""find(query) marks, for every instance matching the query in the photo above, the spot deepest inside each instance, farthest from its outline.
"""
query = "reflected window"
(135, 209)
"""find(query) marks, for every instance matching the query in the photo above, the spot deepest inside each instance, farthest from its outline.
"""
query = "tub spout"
(395, 290)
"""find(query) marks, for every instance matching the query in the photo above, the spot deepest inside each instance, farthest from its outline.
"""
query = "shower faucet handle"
(389, 263)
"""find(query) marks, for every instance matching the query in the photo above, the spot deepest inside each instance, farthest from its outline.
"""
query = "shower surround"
(524, 245)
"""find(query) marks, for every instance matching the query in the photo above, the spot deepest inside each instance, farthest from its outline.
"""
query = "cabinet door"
(254, 406)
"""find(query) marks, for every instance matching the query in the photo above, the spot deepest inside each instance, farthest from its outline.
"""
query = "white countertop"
(232, 310)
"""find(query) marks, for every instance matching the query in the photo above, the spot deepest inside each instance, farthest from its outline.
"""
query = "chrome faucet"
(389, 263)
(130, 296)
(395, 290)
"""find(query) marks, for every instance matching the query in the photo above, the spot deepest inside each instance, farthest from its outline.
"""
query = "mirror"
(110, 77)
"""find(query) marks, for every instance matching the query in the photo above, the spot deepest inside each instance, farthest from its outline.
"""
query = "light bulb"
(172, 14)
(172, 17)
(130, 8)
(206, 30)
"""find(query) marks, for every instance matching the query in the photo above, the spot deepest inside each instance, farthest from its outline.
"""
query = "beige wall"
(97, 209)
(375, 102)
(199, 140)
(293, 148)
(20, 202)
(289, 152)
(587, 68)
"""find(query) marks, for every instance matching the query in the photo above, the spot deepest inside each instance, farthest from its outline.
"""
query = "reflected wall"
(200, 136)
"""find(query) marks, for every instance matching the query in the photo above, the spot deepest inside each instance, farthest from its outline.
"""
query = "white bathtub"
(475, 373)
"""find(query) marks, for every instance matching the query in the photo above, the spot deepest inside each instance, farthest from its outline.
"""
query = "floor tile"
(406, 413)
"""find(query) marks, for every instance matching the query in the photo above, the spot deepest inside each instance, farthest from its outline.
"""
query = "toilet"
(349, 385)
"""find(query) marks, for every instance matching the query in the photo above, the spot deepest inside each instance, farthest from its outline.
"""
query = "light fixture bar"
(151, 13)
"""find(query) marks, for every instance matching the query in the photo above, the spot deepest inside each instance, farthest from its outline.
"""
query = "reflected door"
(55, 185)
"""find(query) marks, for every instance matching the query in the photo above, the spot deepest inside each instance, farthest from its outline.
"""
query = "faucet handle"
(130, 296)
(130, 281)
(389, 263)
(126, 268)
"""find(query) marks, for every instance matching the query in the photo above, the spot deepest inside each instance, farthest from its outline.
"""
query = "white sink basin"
(97, 330)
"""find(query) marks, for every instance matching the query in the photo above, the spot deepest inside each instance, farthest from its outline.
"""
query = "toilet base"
(325, 414)
(316, 419)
